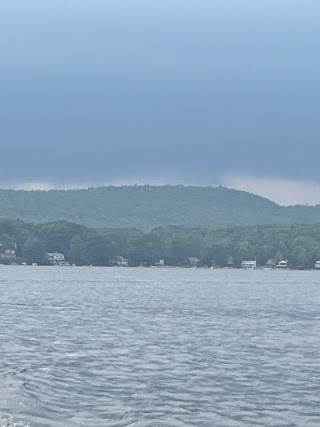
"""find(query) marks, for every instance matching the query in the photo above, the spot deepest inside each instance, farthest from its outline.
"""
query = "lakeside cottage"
(249, 265)
(122, 262)
(194, 261)
(230, 262)
(56, 258)
(8, 253)
(317, 265)
(283, 264)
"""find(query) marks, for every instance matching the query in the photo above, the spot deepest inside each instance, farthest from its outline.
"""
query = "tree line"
(298, 243)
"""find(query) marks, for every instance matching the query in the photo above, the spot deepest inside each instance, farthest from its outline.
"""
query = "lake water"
(158, 347)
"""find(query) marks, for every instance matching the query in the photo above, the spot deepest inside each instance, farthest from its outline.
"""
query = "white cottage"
(282, 264)
(56, 258)
(249, 265)
(317, 265)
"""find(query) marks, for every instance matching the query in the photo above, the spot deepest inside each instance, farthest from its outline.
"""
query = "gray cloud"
(111, 91)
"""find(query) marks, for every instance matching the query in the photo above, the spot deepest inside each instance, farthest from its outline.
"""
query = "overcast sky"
(200, 92)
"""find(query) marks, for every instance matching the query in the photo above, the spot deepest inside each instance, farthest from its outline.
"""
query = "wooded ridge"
(146, 207)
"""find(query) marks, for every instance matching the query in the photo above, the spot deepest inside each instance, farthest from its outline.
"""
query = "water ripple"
(159, 347)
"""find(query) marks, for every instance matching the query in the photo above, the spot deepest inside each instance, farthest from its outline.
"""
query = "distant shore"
(295, 246)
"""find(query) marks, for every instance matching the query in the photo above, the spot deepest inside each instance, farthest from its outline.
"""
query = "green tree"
(98, 247)
(77, 252)
(33, 250)
(299, 257)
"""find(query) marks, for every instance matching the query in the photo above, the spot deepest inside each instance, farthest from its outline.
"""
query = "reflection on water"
(158, 347)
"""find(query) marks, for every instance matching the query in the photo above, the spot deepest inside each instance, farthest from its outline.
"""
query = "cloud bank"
(179, 92)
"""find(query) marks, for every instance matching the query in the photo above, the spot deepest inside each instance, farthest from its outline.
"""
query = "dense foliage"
(300, 244)
(147, 207)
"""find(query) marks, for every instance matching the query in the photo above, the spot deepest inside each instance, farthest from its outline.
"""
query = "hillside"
(146, 207)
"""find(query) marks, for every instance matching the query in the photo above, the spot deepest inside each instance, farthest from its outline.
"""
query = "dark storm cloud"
(99, 90)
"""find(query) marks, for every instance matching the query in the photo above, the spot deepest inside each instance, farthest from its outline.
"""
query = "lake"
(170, 347)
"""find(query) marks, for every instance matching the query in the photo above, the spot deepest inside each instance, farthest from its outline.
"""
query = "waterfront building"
(122, 262)
(317, 265)
(194, 261)
(283, 264)
(249, 265)
(55, 258)
(8, 252)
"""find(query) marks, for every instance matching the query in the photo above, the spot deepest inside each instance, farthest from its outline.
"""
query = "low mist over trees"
(300, 244)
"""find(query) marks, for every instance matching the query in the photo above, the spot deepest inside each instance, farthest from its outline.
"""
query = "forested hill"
(147, 206)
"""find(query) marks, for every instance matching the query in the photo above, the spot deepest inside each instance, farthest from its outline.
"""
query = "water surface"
(158, 347)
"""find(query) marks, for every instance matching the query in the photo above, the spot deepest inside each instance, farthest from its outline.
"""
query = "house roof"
(55, 254)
